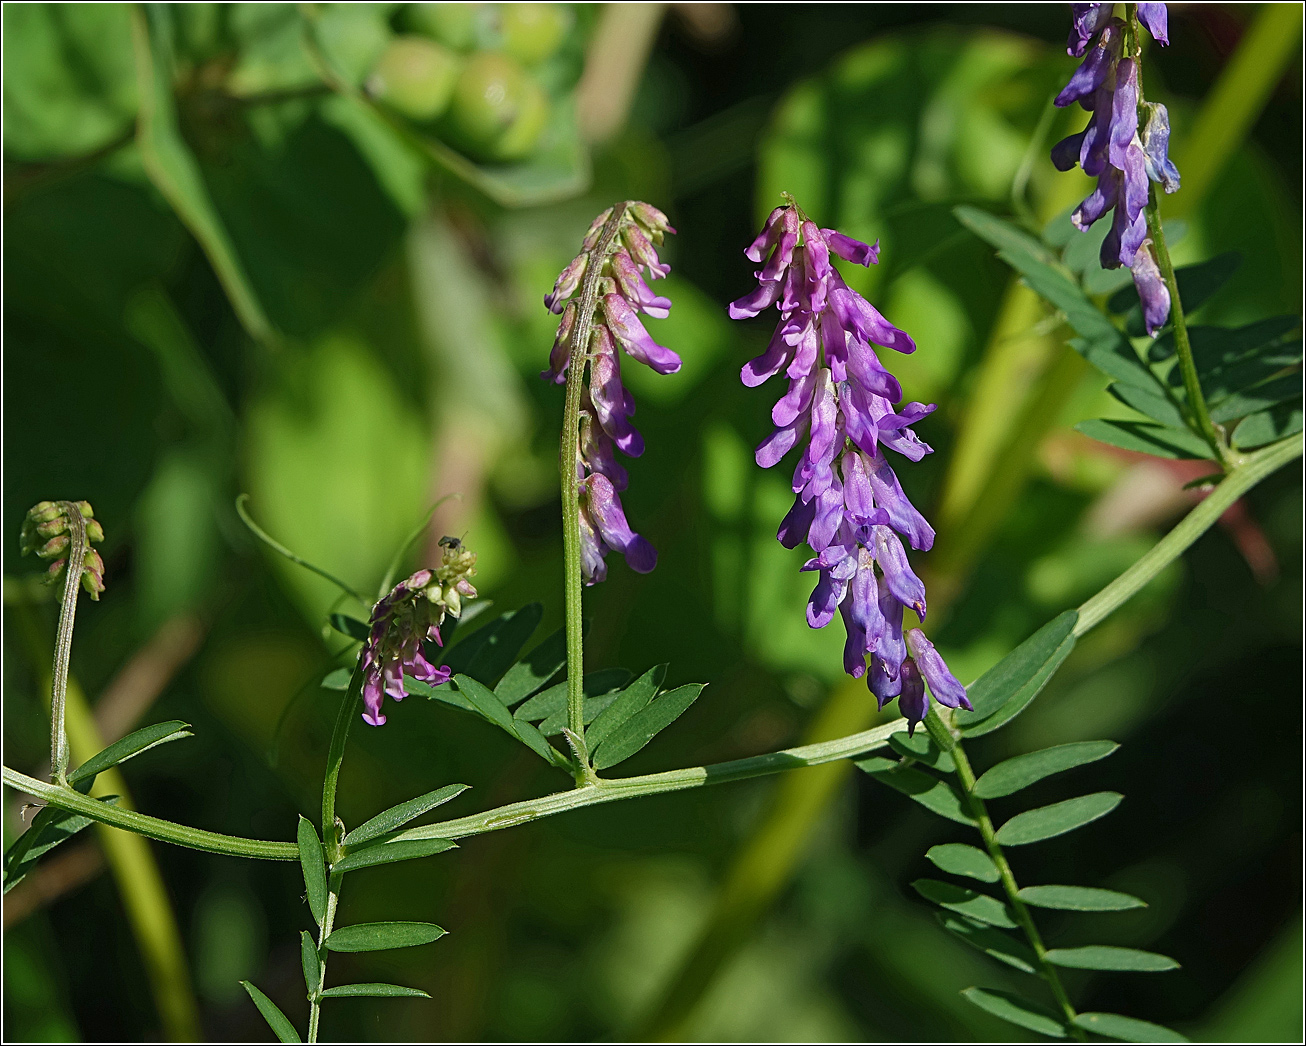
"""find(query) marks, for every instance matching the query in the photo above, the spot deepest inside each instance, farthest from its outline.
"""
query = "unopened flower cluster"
(606, 405)
(841, 408)
(1122, 154)
(405, 618)
(47, 531)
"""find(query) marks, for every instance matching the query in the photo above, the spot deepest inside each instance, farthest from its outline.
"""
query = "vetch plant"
(1228, 396)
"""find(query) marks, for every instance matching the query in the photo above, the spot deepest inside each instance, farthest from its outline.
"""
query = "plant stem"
(63, 647)
(336, 757)
(569, 465)
(328, 921)
(985, 825)
(1197, 408)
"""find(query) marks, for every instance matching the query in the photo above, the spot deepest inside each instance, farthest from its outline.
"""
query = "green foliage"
(308, 959)
(1023, 770)
(634, 733)
(277, 1021)
(1127, 1029)
(382, 936)
(373, 990)
(50, 827)
(961, 859)
(1107, 957)
(1079, 898)
(128, 748)
(937, 796)
(388, 852)
(313, 864)
(992, 942)
(1017, 1010)
(1047, 822)
(495, 711)
(397, 816)
(967, 902)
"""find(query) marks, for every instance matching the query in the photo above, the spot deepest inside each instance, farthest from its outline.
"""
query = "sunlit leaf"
(377, 991)
(397, 816)
(277, 1021)
(496, 712)
(488, 653)
(337, 679)
(1258, 398)
(637, 731)
(1048, 821)
(961, 859)
(1023, 770)
(377, 937)
(1017, 1010)
(922, 748)
(390, 852)
(1003, 692)
(313, 864)
(967, 902)
(534, 670)
(130, 746)
(1078, 898)
(49, 828)
(1151, 402)
(349, 626)
(1161, 441)
(937, 796)
(991, 941)
(308, 959)
(1107, 957)
(554, 700)
(1127, 1029)
(632, 699)
(1268, 426)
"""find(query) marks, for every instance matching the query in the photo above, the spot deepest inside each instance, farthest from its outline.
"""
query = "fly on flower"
(843, 408)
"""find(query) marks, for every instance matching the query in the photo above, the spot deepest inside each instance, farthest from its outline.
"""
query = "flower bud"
(58, 525)
(56, 546)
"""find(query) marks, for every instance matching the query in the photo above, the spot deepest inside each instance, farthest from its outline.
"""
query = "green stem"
(568, 465)
(328, 921)
(63, 648)
(281, 549)
(985, 825)
(1197, 408)
(336, 757)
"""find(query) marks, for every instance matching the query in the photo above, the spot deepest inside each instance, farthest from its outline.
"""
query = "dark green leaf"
(960, 859)
(1161, 441)
(309, 960)
(491, 651)
(1078, 898)
(277, 1021)
(337, 679)
(349, 626)
(1197, 283)
(922, 748)
(1017, 1010)
(130, 746)
(964, 901)
(389, 852)
(534, 670)
(644, 725)
(397, 816)
(632, 700)
(554, 700)
(1023, 770)
(1106, 957)
(1048, 821)
(991, 941)
(1216, 349)
(314, 866)
(1007, 689)
(444, 693)
(1151, 402)
(1258, 398)
(1268, 426)
(1127, 1029)
(50, 827)
(937, 796)
(592, 708)
(378, 991)
(1115, 357)
(377, 937)
(496, 712)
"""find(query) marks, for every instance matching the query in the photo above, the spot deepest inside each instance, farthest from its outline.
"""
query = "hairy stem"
(63, 648)
(569, 466)
(328, 921)
(1018, 907)
(336, 757)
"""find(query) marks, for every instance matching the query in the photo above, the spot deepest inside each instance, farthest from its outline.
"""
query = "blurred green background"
(263, 248)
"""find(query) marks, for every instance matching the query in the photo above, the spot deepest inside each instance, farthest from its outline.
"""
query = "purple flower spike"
(607, 405)
(1156, 147)
(841, 408)
(1156, 20)
(1086, 20)
(943, 684)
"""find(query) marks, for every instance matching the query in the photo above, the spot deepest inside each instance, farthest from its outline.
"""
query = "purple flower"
(606, 404)
(1152, 291)
(403, 620)
(841, 408)
(1110, 147)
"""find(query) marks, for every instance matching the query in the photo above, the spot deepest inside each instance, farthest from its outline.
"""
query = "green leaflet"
(1107, 957)
(377, 991)
(964, 901)
(1078, 898)
(1017, 1010)
(337, 679)
(1161, 441)
(489, 652)
(535, 669)
(349, 626)
(50, 827)
(308, 959)
(489, 706)
(313, 864)
(554, 700)
(1015, 671)
(1116, 359)
(990, 941)
(1127, 1029)
(1268, 426)
(1023, 770)
(1258, 398)
(937, 796)
(1151, 402)
(277, 1021)
(961, 859)
(128, 747)
(377, 937)
(397, 816)
(1197, 283)
(1048, 821)
(389, 852)
(631, 700)
(637, 731)
(922, 748)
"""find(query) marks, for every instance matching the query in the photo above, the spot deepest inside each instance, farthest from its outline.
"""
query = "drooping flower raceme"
(407, 617)
(842, 409)
(616, 255)
(1120, 150)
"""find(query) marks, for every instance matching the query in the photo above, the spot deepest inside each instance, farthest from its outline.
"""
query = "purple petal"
(567, 282)
(797, 522)
(912, 701)
(605, 509)
(1124, 112)
(1099, 201)
(1152, 291)
(627, 329)
(794, 402)
(890, 497)
(1156, 148)
(827, 518)
(756, 302)
(943, 684)
(1086, 20)
(906, 587)
(636, 290)
(760, 368)
(1092, 72)
(642, 250)
(1065, 154)
(852, 250)
(1156, 20)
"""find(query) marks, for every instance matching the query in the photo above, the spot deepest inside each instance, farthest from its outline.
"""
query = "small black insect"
(454, 543)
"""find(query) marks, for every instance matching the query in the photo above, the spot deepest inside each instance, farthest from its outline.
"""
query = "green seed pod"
(415, 77)
(523, 134)
(533, 32)
(486, 101)
(453, 25)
